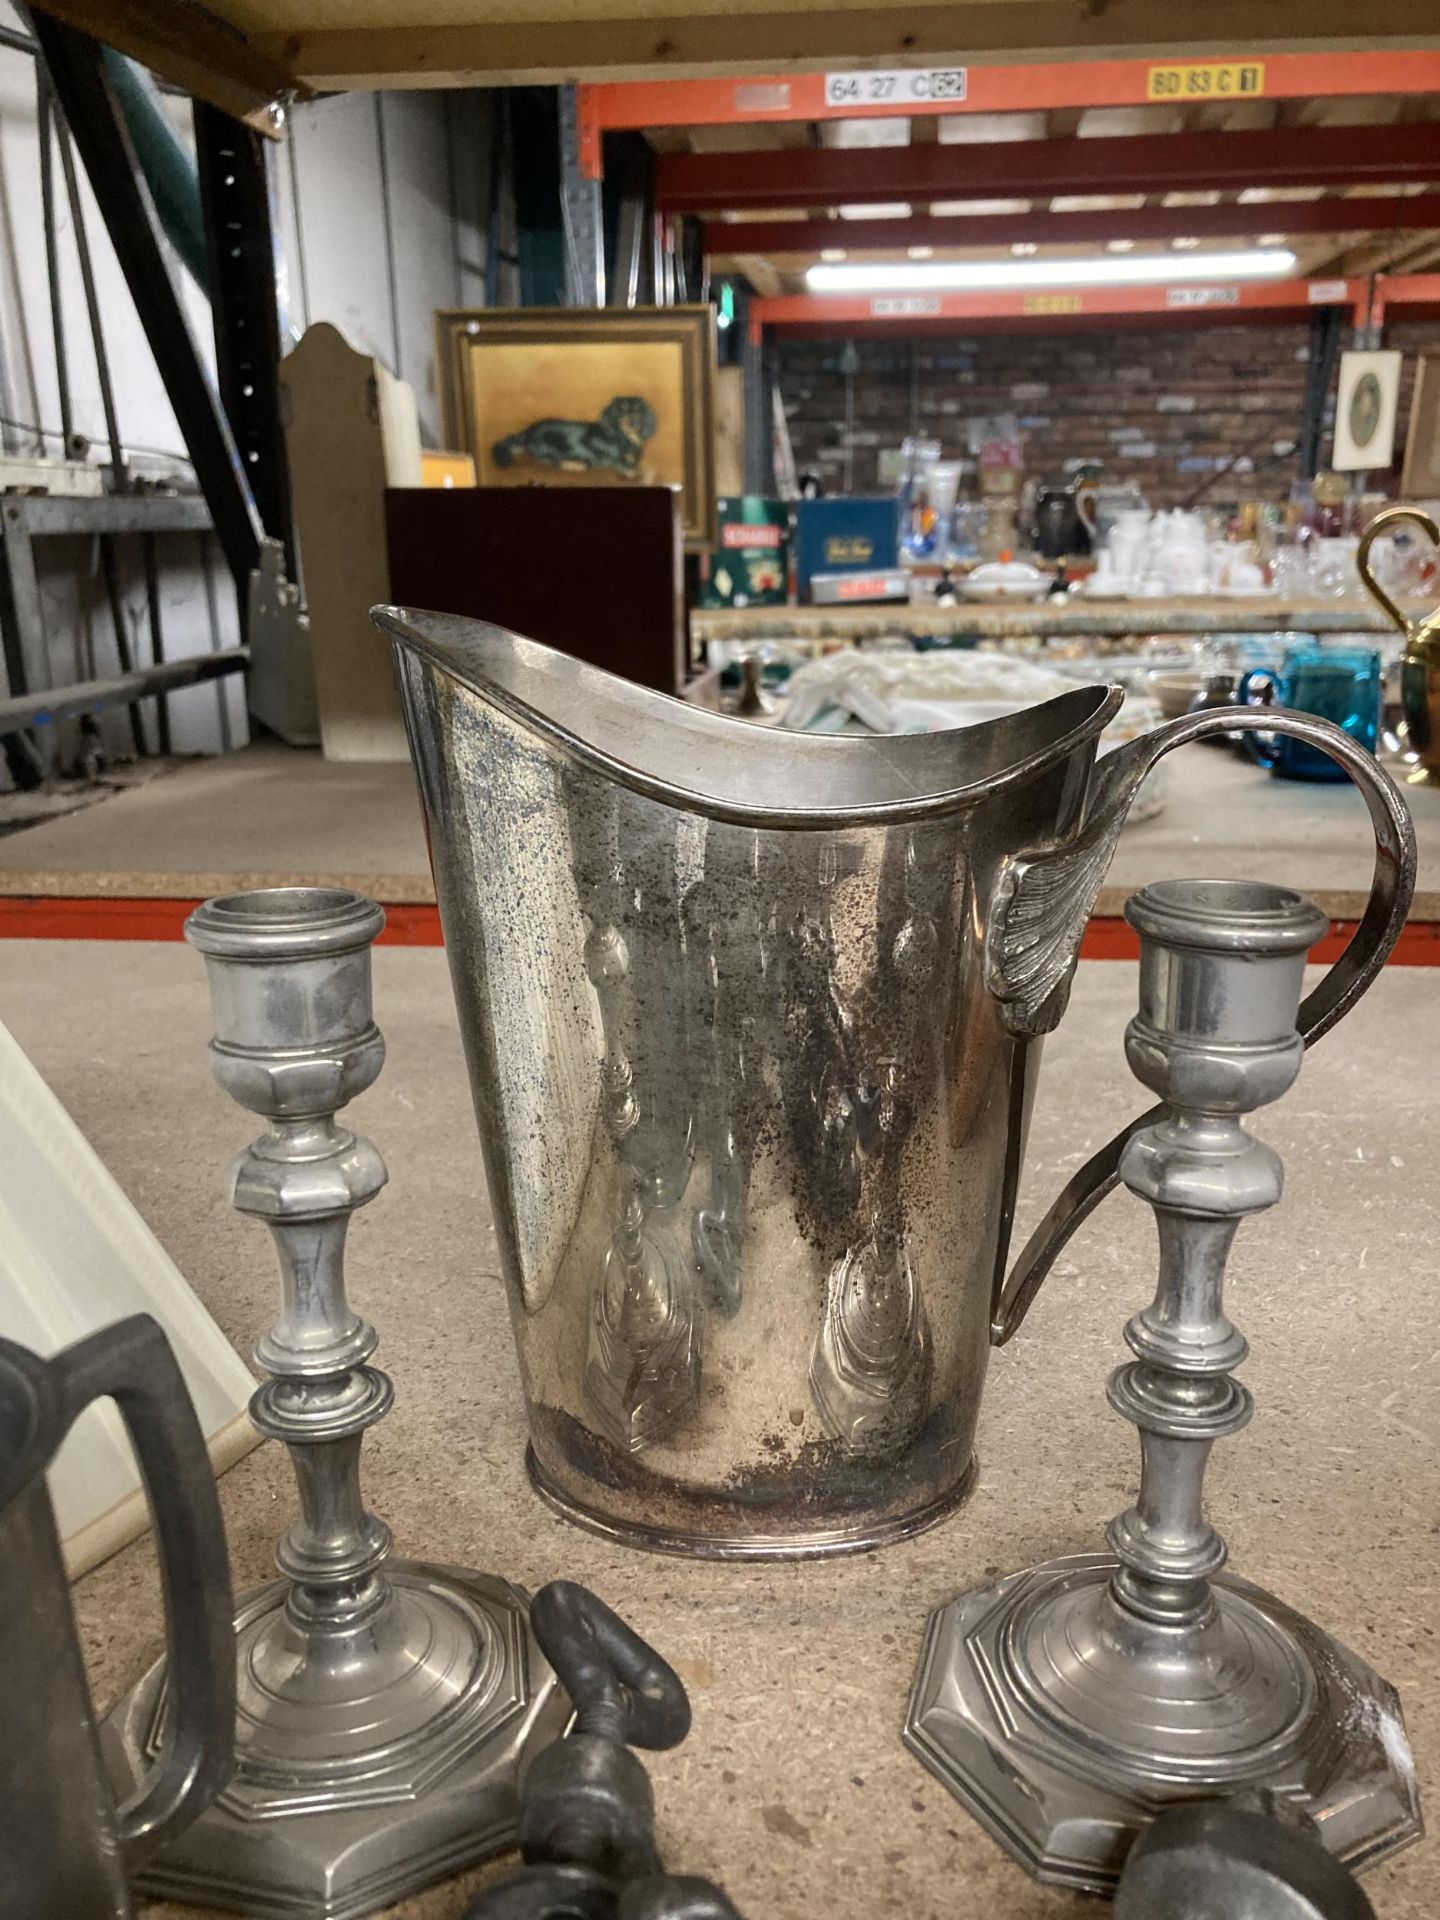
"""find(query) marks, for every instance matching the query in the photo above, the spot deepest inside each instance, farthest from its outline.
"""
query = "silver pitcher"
(753, 1020)
(66, 1850)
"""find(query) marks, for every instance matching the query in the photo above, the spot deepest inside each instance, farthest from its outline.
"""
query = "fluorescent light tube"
(999, 276)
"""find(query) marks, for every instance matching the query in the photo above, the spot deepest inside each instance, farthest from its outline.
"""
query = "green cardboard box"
(751, 565)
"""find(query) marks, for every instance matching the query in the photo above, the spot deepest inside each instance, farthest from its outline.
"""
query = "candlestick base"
(370, 1761)
(1065, 1723)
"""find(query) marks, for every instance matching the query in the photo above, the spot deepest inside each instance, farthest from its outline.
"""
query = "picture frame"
(1367, 401)
(1420, 475)
(585, 396)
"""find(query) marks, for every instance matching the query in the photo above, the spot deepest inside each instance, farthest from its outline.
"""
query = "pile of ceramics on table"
(1169, 554)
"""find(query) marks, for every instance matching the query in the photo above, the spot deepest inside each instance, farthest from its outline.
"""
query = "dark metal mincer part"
(587, 1813)
(1256, 1857)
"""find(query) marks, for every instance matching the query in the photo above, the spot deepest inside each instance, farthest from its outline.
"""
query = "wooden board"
(192, 47)
(729, 430)
(75, 1256)
(556, 39)
(605, 583)
(350, 431)
(241, 52)
(1420, 477)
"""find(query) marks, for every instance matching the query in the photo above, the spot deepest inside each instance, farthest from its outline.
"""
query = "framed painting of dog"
(585, 397)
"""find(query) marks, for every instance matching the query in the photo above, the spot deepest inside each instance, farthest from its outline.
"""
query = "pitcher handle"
(132, 1364)
(1043, 900)
(1391, 517)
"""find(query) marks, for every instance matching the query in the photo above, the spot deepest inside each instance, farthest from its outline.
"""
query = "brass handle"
(1391, 517)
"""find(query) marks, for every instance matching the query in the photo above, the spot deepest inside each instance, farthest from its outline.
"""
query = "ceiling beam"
(1414, 212)
(191, 46)
(1038, 169)
(761, 275)
(1065, 87)
(839, 313)
(539, 42)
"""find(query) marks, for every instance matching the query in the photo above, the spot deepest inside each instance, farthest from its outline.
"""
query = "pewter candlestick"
(385, 1707)
(1066, 1706)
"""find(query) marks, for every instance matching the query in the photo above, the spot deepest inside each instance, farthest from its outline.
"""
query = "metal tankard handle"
(1383, 523)
(1043, 899)
(132, 1364)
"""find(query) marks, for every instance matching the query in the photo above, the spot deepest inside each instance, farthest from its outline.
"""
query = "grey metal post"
(579, 214)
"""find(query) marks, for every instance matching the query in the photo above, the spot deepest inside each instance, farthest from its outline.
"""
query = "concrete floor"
(266, 815)
(272, 815)
(793, 1788)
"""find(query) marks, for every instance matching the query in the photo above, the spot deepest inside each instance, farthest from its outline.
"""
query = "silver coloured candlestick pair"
(1067, 1705)
(385, 1708)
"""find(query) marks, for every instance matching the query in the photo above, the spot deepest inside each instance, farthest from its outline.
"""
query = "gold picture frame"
(585, 396)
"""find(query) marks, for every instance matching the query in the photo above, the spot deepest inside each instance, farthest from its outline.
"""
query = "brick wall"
(1163, 408)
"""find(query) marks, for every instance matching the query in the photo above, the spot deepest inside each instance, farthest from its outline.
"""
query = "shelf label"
(1327, 293)
(900, 87)
(866, 586)
(762, 96)
(1202, 296)
(1223, 80)
(904, 306)
(1052, 303)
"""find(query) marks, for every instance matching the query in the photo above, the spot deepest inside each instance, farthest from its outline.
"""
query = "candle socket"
(1066, 1706)
(386, 1707)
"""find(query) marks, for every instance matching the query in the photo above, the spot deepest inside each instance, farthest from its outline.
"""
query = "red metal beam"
(1421, 290)
(1057, 306)
(71, 918)
(612, 105)
(1416, 212)
(1070, 324)
(118, 917)
(1038, 169)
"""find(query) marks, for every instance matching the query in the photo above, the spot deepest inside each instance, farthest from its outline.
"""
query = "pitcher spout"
(715, 766)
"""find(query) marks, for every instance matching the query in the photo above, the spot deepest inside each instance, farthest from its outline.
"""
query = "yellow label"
(1229, 80)
(1053, 303)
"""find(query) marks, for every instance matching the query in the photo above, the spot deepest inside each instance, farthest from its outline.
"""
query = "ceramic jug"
(1065, 519)
(65, 1848)
(753, 1020)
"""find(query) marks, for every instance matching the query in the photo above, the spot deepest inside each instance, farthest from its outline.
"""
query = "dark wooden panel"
(594, 570)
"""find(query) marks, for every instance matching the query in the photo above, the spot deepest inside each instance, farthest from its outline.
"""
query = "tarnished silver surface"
(753, 1021)
(1065, 1706)
(385, 1708)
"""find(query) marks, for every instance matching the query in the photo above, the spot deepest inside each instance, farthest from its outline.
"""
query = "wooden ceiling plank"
(190, 46)
(810, 33)
(763, 277)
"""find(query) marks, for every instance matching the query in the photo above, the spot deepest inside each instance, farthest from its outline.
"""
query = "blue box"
(851, 533)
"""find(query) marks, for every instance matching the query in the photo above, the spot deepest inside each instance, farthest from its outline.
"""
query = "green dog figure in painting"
(615, 441)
